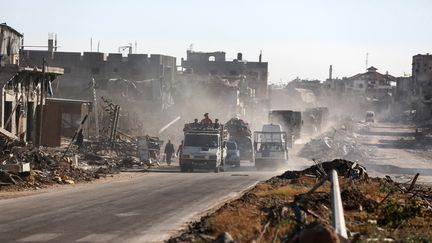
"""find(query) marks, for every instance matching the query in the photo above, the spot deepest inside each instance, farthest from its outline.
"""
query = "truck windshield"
(201, 140)
(231, 146)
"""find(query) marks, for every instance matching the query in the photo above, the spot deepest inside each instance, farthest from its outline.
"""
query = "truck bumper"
(200, 164)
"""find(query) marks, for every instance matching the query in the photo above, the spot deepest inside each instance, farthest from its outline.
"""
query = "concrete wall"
(80, 68)
(215, 63)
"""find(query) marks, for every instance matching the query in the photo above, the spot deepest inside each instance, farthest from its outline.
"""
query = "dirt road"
(399, 154)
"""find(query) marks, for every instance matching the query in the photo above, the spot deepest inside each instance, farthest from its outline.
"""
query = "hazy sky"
(298, 38)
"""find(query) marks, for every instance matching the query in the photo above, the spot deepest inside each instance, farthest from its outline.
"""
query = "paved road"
(148, 208)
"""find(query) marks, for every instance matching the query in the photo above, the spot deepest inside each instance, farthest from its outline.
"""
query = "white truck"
(270, 145)
(204, 147)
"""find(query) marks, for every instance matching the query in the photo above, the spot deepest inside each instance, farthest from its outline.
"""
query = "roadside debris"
(296, 207)
(24, 166)
(337, 143)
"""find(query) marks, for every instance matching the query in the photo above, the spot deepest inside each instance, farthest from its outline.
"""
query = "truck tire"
(183, 168)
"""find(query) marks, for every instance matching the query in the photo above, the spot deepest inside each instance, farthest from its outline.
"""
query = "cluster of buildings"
(370, 90)
(46, 93)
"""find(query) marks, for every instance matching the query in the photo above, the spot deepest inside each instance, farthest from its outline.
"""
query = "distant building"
(215, 63)
(404, 90)
(371, 83)
(314, 85)
(422, 82)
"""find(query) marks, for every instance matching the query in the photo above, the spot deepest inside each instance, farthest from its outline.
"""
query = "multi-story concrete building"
(23, 90)
(79, 69)
(422, 82)
(215, 63)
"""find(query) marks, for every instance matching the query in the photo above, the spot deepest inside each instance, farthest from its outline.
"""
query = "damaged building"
(243, 82)
(154, 73)
(24, 90)
(422, 83)
(216, 64)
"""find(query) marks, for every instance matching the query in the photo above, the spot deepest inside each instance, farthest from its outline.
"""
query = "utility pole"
(41, 107)
(95, 106)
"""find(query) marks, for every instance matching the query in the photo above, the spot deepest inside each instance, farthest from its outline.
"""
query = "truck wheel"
(183, 169)
(191, 168)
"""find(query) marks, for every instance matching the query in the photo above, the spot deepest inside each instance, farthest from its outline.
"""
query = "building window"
(115, 70)
(212, 58)
(360, 86)
(95, 71)
(213, 72)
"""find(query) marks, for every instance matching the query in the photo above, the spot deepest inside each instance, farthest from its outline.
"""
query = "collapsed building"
(139, 83)
(24, 91)
(239, 84)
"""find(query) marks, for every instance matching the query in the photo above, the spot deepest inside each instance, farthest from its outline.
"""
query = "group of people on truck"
(169, 147)
(206, 122)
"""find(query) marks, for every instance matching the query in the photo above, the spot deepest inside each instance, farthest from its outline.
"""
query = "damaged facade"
(216, 64)
(10, 45)
(24, 90)
(422, 83)
(239, 85)
(159, 70)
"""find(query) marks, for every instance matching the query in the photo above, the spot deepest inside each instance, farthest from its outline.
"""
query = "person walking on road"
(169, 151)
(179, 150)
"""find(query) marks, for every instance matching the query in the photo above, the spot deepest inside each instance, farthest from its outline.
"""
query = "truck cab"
(203, 148)
(270, 147)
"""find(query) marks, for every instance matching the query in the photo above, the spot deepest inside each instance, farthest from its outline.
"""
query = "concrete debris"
(27, 167)
(282, 209)
(343, 167)
(334, 144)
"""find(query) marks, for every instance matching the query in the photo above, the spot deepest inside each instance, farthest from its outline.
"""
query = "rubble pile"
(237, 127)
(24, 166)
(291, 208)
(336, 143)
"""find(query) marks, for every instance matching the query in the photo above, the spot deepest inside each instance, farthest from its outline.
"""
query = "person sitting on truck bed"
(216, 125)
(195, 124)
(206, 121)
